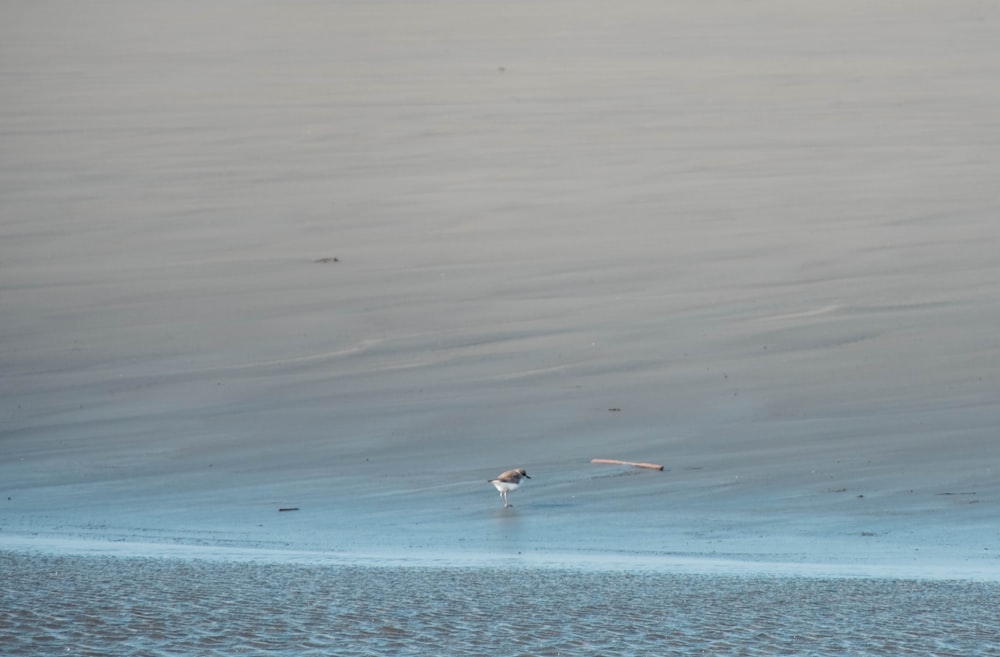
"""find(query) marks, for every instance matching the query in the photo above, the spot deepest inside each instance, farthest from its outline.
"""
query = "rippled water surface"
(69, 605)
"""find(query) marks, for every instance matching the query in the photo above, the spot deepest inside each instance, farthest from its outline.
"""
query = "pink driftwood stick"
(648, 466)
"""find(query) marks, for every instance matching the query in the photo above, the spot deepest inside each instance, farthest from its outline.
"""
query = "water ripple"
(57, 605)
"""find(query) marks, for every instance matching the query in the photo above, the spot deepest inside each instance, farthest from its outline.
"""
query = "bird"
(508, 481)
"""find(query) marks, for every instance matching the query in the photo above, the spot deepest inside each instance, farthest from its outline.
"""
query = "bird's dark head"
(524, 474)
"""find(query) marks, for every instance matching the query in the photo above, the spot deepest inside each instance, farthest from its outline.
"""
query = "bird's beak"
(526, 476)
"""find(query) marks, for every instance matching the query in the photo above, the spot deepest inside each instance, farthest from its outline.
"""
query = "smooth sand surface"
(766, 233)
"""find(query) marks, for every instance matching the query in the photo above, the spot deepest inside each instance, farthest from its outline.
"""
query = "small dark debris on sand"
(326, 261)
(963, 494)
(288, 508)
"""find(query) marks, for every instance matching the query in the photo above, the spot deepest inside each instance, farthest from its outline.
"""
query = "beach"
(288, 283)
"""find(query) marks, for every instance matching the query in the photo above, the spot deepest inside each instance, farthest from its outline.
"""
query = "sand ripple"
(106, 606)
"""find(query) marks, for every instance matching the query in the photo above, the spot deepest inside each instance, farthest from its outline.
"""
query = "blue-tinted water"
(95, 605)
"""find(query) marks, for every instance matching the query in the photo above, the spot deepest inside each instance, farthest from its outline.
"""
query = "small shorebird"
(508, 481)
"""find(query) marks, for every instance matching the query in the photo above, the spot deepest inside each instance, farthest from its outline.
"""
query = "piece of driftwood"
(289, 508)
(648, 466)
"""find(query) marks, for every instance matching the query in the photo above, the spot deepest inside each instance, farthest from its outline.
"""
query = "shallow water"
(71, 605)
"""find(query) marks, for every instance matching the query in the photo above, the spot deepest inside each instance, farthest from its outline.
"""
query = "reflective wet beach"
(355, 258)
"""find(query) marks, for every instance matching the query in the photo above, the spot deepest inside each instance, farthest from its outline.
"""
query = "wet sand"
(765, 234)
